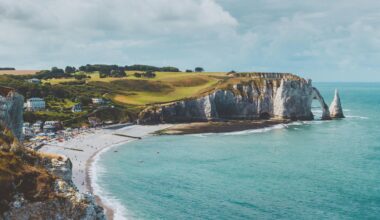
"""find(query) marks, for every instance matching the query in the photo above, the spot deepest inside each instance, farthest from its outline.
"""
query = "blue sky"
(320, 39)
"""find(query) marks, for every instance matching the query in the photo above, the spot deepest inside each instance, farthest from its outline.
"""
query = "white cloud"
(58, 30)
(325, 40)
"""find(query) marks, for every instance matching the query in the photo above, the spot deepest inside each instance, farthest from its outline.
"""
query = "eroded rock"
(336, 110)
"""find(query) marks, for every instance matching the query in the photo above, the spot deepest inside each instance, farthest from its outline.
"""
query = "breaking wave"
(96, 171)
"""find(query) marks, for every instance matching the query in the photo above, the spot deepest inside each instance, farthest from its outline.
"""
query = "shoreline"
(109, 212)
(93, 144)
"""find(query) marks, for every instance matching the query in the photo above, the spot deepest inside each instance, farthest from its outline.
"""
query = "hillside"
(165, 87)
(39, 186)
(126, 96)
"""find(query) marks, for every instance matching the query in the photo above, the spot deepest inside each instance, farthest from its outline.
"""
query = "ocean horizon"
(303, 170)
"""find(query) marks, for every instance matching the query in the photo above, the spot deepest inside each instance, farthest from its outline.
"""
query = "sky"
(323, 40)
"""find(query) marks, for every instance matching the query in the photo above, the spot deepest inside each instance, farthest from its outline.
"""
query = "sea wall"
(11, 111)
(289, 97)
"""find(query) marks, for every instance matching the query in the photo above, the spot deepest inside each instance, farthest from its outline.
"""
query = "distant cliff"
(244, 97)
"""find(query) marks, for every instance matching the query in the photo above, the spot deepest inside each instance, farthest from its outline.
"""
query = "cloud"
(58, 30)
(320, 39)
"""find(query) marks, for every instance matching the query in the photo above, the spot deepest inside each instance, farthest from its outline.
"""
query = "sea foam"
(96, 171)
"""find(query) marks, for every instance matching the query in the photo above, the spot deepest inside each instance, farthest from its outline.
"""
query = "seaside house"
(35, 104)
(34, 80)
(27, 130)
(97, 101)
(77, 108)
(49, 128)
(52, 125)
(36, 127)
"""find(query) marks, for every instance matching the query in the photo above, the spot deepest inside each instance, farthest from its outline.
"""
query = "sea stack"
(336, 110)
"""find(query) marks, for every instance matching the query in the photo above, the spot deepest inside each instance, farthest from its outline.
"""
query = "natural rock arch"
(324, 106)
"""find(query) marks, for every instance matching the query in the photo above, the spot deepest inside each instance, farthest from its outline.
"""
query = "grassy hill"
(165, 87)
(127, 95)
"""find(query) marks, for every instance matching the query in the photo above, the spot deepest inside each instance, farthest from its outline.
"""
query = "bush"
(199, 69)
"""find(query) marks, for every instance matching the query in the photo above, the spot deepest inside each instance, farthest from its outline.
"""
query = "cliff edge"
(244, 97)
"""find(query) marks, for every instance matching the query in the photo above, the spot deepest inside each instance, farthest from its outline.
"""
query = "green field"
(125, 96)
(165, 87)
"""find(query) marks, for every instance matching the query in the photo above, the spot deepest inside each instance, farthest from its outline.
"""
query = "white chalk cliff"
(336, 110)
(282, 97)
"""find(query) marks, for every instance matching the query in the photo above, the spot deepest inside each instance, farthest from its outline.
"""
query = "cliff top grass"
(168, 87)
(165, 87)
(130, 94)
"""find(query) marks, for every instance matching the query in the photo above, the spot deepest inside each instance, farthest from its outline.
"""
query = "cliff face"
(39, 186)
(11, 109)
(34, 185)
(281, 97)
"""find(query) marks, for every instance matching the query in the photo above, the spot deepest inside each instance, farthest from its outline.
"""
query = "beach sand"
(82, 149)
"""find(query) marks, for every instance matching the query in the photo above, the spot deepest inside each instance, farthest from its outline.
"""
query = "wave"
(355, 116)
(260, 130)
(271, 128)
(95, 171)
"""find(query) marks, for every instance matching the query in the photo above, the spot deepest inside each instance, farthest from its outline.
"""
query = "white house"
(35, 104)
(34, 80)
(97, 101)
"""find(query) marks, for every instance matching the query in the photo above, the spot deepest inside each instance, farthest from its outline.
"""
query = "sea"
(304, 170)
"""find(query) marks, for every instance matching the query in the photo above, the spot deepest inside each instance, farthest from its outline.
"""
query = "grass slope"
(165, 87)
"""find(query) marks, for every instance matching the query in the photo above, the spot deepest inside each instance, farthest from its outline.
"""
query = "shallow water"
(306, 170)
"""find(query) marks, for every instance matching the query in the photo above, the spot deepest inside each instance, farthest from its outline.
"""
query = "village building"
(37, 127)
(49, 128)
(55, 124)
(34, 80)
(97, 101)
(35, 104)
(27, 130)
(77, 108)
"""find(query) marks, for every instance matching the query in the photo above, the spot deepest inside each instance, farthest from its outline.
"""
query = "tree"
(189, 71)
(70, 69)
(149, 74)
(118, 73)
(80, 76)
(199, 69)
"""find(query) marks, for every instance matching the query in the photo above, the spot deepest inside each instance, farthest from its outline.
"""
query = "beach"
(86, 147)
(82, 149)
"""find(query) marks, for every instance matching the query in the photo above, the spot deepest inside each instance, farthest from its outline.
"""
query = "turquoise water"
(315, 170)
